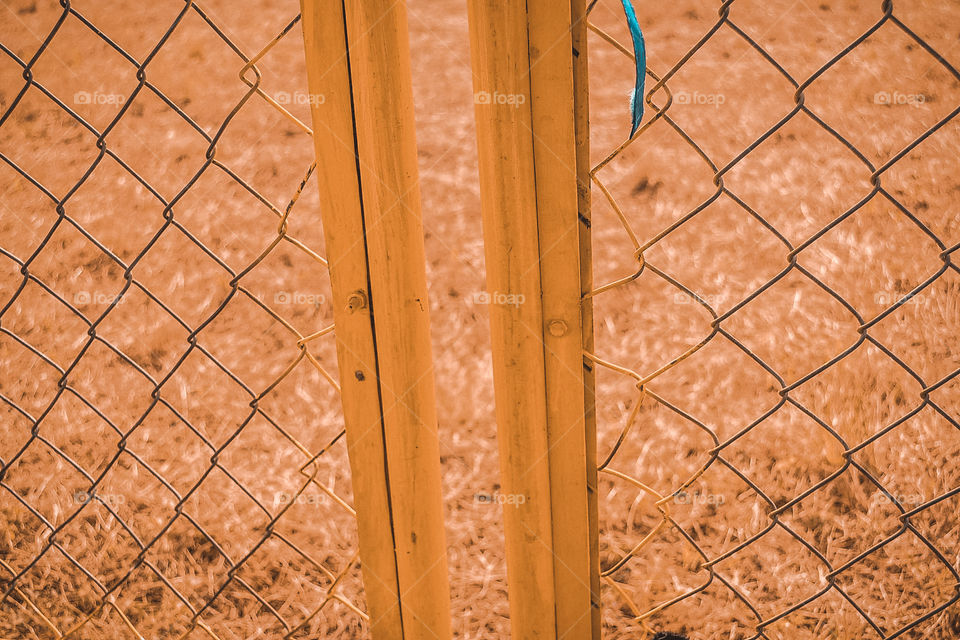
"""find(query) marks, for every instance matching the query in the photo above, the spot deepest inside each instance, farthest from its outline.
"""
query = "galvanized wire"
(632, 541)
(128, 581)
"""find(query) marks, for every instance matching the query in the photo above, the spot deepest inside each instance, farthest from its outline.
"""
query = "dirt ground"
(190, 395)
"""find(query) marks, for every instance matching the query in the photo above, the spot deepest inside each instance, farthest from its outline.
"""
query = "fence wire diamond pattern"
(166, 365)
(777, 400)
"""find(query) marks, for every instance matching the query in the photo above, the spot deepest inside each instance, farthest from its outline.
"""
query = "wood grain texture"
(358, 60)
(523, 65)
(500, 59)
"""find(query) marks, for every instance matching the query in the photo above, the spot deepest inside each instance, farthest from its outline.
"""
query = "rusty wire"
(36, 601)
(625, 565)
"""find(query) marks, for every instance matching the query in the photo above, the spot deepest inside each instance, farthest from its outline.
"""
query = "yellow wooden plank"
(581, 108)
(500, 60)
(338, 180)
(358, 60)
(555, 156)
(386, 144)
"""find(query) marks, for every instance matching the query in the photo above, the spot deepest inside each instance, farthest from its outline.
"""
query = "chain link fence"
(777, 312)
(776, 331)
(172, 459)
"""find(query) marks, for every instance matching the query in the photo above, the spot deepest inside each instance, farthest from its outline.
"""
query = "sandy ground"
(236, 465)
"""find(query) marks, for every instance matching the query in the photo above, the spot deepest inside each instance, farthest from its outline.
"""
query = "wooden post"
(358, 67)
(581, 110)
(531, 134)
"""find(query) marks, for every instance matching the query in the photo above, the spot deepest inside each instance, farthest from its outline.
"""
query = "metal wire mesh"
(172, 460)
(777, 315)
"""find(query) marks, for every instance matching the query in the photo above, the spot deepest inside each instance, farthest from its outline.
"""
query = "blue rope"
(640, 53)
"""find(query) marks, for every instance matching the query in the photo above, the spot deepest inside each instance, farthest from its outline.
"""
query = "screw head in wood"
(357, 300)
(557, 328)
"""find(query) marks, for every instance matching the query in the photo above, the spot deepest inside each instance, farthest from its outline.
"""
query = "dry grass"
(218, 454)
(798, 180)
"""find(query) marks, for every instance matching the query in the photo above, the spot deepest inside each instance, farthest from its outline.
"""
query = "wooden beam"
(527, 129)
(500, 60)
(555, 157)
(581, 110)
(358, 61)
